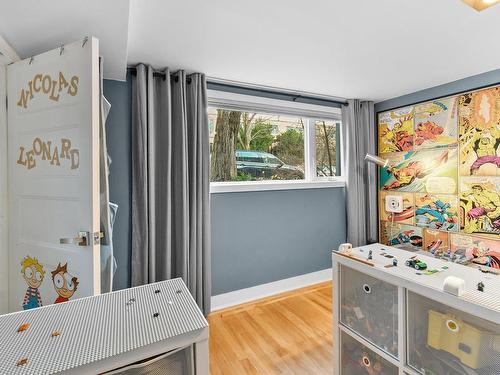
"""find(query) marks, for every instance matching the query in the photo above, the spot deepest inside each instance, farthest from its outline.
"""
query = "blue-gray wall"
(462, 85)
(260, 237)
(118, 132)
(257, 237)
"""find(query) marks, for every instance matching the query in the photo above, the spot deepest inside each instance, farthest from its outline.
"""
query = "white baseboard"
(222, 301)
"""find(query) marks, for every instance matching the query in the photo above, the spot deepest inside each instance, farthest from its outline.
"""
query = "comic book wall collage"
(444, 161)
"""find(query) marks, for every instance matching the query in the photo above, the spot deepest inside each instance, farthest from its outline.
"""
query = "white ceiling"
(35, 26)
(370, 49)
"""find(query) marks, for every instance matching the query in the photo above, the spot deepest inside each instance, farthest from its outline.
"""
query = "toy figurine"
(346, 248)
(370, 255)
(480, 286)
(416, 263)
(395, 262)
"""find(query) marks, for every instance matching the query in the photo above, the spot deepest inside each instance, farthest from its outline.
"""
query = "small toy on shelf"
(23, 327)
(370, 255)
(395, 262)
(431, 272)
(346, 248)
(480, 286)
(414, 262)
(22, 362)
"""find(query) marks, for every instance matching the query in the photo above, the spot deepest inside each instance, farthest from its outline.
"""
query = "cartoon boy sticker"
(33, 274)
(64, 283)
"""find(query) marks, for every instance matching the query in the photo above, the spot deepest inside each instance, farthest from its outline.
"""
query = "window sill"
(236, 187)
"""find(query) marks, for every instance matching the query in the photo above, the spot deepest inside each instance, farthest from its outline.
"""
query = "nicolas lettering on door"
(51, 152)
(46, 84)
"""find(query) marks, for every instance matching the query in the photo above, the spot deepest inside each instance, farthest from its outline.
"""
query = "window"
(326, 148)
(272, 147)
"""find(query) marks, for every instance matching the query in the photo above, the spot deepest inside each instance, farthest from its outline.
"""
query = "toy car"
(417, 264)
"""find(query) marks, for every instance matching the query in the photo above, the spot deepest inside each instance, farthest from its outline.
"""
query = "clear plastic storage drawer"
(357, 359)
(445, 341)
(177, 362)
(370, 308)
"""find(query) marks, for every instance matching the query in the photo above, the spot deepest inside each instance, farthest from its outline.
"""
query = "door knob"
(81, 240)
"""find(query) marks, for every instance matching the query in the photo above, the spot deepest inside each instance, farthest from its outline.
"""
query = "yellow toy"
(469, 344)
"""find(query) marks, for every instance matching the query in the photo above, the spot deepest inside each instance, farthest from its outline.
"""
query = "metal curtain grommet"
(367, 288)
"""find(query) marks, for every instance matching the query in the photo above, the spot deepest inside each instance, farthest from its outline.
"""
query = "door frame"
(7, 56)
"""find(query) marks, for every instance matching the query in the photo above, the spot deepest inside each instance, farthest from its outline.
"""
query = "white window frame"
(309, 112)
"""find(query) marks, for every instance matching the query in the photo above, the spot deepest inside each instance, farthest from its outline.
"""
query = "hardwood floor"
(290, 333)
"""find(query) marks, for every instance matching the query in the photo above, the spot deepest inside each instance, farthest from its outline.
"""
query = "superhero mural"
(396, 130)
(436, 124)
(436, 242)
(483, 251)
(432, 171)
(437, 212)
(448, 170)
(480, 205)
(479, 127)
(401, 236)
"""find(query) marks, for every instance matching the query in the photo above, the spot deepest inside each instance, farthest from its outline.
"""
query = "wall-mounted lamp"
(384, 163)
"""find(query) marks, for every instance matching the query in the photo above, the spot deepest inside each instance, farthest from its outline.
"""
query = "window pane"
(248, 146)
(326, 148)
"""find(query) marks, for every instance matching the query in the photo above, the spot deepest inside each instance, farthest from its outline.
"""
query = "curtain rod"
(133, 71)
(233, 85)
(292, 95)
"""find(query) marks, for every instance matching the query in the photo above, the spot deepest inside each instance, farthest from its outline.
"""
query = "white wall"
(4, 276)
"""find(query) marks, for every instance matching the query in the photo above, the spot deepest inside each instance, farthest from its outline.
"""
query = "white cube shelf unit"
(398, 320)
(150, 329)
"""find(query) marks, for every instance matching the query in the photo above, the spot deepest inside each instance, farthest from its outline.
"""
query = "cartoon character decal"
(64, 283)
(33, 274)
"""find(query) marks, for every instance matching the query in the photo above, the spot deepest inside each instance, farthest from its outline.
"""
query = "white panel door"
(53, 168)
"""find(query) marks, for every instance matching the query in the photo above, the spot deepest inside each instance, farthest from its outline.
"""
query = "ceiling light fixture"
(480, 5)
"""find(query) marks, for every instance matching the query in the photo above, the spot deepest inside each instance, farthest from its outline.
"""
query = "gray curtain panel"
(358, 125)
(170, 181)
